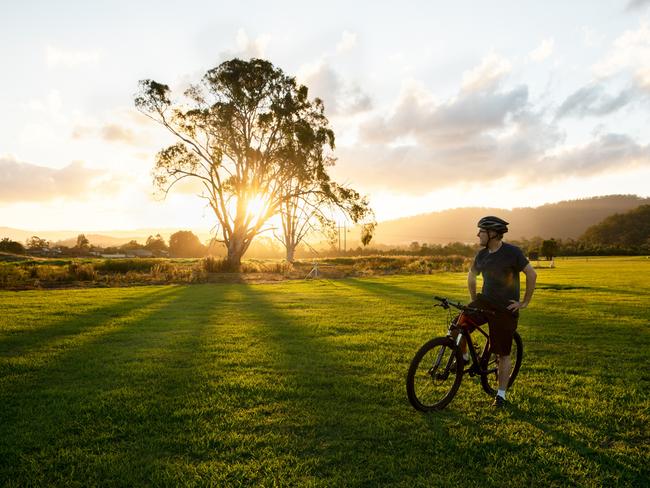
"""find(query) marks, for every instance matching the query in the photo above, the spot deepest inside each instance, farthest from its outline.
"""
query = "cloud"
(608, 151)
(245, 47)
(462, 119)
(488, 74)
(424, 144)
(114, 132)
(637, 4)
(629, 54)
(70, 58)
(419, 170)
(591, 100)
(122, 125)
(347, 43)
(543, 51)
(22, 181)
(110, 132)
(339, 96)
(486, 132)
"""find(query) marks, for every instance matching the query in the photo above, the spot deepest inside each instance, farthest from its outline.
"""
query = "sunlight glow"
(256, 207)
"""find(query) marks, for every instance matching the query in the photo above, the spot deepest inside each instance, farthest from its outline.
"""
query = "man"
(500, 264)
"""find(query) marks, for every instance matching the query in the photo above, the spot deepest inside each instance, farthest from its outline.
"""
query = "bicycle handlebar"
(445, 303)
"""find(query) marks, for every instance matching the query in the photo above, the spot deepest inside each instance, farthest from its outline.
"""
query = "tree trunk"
(291, 249)
(236, 250)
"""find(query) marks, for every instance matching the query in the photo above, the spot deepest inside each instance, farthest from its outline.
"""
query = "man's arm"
(531, 279)
(471, 284)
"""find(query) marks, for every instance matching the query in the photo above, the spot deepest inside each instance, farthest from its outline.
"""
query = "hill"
(567, 219)
(630, 229)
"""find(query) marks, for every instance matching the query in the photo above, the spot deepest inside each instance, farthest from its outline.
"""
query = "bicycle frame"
(457, 333)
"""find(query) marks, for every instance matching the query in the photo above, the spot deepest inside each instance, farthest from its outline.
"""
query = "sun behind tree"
(244, 131)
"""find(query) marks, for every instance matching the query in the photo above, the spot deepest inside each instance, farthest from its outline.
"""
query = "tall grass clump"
(82, 271)
(176, 273)
(11, 275)
(213, 264)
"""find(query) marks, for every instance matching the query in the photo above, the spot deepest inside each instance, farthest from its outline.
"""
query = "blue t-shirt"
(500, 272)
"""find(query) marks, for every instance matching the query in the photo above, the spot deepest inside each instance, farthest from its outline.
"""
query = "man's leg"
(501, 338)
(504, 365)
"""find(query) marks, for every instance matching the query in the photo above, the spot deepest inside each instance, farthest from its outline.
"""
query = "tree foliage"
(244, 133)
(549, 248)
(35, 243)
(628, 230)
(185, 244)
(156, 244)
(7, 245)
(83, 244)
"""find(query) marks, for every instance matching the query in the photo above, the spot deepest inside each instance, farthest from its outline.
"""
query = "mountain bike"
(437, 369)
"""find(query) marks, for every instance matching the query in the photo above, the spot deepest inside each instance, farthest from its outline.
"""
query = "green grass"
(302, 383)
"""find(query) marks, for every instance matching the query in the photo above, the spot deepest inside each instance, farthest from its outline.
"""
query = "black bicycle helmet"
(493, 223)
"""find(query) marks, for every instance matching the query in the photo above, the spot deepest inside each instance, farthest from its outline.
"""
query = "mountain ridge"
(564, 219)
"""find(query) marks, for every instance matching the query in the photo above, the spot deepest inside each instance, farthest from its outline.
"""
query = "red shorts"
(502, 325)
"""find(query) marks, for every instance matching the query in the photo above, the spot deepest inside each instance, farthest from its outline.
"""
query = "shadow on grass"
(614, 470)
(349, 427)
(25, 342)
(107, 407)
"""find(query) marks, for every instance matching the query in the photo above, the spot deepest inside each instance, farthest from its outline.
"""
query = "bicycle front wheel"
(489, 363)
(434, 375)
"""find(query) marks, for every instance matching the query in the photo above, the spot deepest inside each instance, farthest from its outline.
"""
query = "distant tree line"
(182, 244)
(619, 234)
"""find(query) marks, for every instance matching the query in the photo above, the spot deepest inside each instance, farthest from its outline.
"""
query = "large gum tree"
(247, 132)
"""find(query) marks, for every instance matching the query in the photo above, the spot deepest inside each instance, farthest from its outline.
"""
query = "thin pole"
(339, 233)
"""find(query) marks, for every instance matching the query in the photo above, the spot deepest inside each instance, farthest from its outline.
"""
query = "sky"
(434, 104)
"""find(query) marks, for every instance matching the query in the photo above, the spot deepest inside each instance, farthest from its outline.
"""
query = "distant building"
(139, 253)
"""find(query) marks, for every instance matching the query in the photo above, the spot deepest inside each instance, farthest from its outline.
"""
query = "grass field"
(302, 383)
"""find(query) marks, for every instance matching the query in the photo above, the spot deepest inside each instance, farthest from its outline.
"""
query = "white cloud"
(543, 51)
(483, 135)
(347, 43)
(488, 74)
(630, 53)
(71, 58)
(338, 95)
(246, 48)
(22, 181)
(123, 125)
(637, 4)
(461, 119)
(592, 99)
(606, 152)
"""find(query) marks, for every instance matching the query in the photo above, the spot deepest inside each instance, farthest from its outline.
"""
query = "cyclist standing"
(500, 264)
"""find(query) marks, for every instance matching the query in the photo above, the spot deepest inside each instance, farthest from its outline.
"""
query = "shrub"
(82, 271)
(126, 265)
(11, 275)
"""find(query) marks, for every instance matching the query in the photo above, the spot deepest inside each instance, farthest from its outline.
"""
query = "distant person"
(500, 264)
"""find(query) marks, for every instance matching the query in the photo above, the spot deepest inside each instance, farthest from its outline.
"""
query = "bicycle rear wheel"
(490, 381)
(434, 375)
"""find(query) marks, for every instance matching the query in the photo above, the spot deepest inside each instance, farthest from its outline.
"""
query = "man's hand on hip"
(515, 305)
